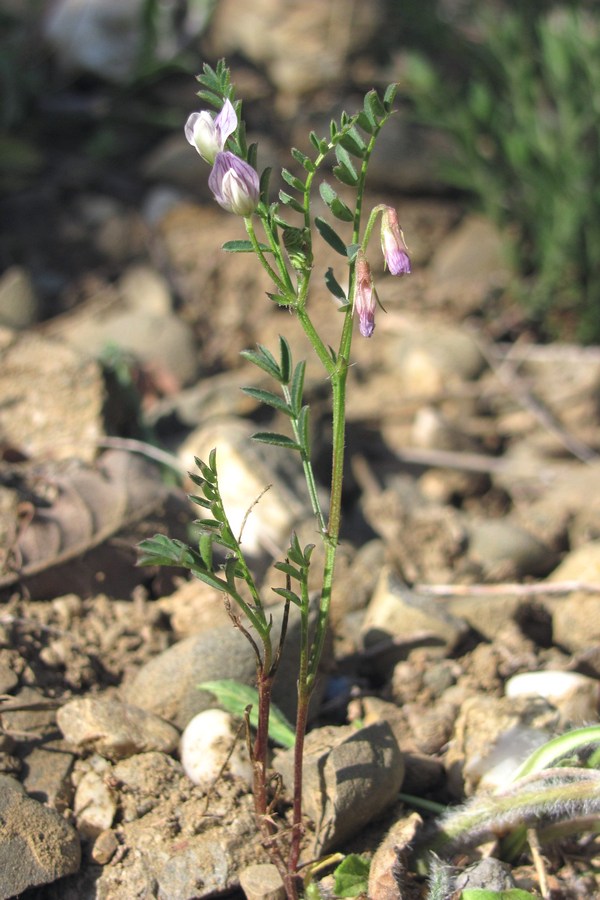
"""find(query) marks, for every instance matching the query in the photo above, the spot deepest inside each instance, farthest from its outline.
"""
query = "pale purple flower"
(209, 135)
(364, 296)
(394, 249)
(234, 184)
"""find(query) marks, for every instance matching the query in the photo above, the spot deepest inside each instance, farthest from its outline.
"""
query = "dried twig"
(514, 588)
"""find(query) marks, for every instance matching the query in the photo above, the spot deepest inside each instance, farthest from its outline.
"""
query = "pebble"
(350, 777)
(105, 846)
(95, 804)
(575, 695)
(212, 743)
(114, 729)
(487, 874)
(262, 881)
(37, 845)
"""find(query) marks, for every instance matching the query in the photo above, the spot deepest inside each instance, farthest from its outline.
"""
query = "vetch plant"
(285, 251)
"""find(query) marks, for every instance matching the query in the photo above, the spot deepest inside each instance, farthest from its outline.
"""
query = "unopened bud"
(364, 296)
(394, 249)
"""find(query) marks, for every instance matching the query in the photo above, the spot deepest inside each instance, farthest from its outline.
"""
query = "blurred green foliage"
(522, 103)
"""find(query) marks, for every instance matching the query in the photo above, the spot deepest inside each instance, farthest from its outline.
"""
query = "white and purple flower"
(209, 135)
(235, 184)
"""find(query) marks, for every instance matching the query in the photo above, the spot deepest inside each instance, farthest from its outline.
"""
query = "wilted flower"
(394, 249)
(364, 296)
(209, 135)
(234, 184)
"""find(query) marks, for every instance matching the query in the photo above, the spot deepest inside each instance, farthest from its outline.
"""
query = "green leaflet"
(236, 697)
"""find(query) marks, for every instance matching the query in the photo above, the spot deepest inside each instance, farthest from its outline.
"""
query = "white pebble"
(551, 684)
(206, 742)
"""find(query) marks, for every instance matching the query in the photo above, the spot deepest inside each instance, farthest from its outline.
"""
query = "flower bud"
(394, 249)
(235, 184)
(364, 296)
(209, 135)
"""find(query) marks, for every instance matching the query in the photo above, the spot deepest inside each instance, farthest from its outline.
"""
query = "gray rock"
(506, 550)
(421, 149)
(37, 846)
(35, 717)
(349, 778)
(486, 874)
(145, 778)
(114, 729)
(167, 685)
(486, 615)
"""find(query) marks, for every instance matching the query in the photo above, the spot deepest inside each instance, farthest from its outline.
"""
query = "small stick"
(516, 589)
(538, 861)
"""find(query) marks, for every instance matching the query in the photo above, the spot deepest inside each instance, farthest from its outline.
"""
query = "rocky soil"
(471, 541)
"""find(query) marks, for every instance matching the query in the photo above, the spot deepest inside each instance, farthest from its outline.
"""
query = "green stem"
(309, 329)
(272, 237)
(309, 474)
(304, 694)
(283, 284)
(338, 386)
(371, 223)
